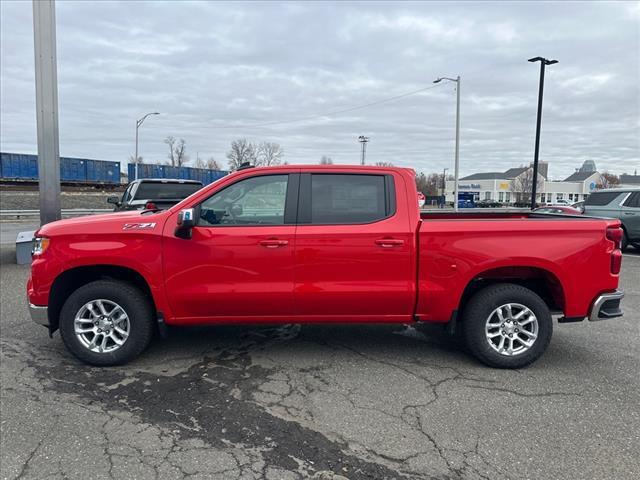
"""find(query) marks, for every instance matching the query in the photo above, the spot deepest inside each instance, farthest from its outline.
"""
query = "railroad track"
(66, 212)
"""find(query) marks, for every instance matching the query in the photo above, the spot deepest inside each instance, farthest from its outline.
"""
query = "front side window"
(633, 201)
(501, 197)
(343, 198)
(253, 201)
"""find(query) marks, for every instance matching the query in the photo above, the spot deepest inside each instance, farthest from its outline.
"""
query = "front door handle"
(274, 243)
(389, 242)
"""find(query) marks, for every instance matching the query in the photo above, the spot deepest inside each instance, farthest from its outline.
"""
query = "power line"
(330, 113)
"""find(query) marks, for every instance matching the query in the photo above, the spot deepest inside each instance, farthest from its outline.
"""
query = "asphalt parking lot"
(322, 402)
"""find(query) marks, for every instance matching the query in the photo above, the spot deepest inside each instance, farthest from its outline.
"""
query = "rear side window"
(633, 201)
(169, 191)
(602, 198)
(349, 199)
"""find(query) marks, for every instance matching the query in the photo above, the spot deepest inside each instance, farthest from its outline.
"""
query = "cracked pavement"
(322, 402)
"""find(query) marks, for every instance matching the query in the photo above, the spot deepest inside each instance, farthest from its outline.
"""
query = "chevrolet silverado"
(314, 244)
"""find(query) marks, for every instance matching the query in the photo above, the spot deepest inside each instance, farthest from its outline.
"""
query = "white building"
(499, 186)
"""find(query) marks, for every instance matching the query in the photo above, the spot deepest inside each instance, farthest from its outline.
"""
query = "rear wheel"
(625, 241)
(106, 322)
(507, 326)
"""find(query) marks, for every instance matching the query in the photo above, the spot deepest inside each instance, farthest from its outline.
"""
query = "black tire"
(137, 307)
(480, 307)
(625, 241)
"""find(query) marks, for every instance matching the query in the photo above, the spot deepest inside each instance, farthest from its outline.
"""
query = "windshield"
(169, 191)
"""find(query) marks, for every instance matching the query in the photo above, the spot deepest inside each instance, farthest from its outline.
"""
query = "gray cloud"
(212, 65)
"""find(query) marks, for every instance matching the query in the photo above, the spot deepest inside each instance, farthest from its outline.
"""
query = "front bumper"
(40, 315)
(607, 306)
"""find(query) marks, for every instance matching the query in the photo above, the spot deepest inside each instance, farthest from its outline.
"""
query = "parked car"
(558, 209)
(158, 193)
(561, 202)
(579, 206)
(487, 203)
(321, 244)
(421, 199)
(621, 203)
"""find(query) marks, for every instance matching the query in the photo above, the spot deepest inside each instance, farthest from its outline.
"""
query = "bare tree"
(171, 141)
(384, 164)
(212, 164)
(269, 153)
(180, 153)
(522, 186)
(241, 151)
(610, 180)
(324, 160)
(132, 160)
(177, 151)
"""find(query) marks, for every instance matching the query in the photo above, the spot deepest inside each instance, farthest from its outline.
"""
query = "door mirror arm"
(186, 222)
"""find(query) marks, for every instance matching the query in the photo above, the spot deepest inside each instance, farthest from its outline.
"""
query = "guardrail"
(66, 212)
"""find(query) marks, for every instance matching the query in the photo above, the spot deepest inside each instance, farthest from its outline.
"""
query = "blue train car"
(18, 166)
(24, 167)
(102, 172)
(147, 170)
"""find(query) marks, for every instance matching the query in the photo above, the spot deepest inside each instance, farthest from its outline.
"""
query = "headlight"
(40, 244)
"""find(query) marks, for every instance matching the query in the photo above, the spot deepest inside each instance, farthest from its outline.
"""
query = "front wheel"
(507, 326)
(106, 322)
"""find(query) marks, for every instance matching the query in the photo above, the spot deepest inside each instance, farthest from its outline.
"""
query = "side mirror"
(114, 200)
(186, 222)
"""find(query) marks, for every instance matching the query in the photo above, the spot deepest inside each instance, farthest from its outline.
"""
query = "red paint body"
(404, 268)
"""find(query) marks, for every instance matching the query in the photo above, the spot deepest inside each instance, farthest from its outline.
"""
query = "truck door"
(354, 248)
(238, 264)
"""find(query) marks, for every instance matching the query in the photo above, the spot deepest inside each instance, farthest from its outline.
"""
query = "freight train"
(23, 168)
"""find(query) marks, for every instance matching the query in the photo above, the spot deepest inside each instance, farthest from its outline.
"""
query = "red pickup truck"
(314, 244)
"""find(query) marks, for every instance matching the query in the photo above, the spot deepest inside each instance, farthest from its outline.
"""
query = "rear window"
(341, 199)
(168, 191)
(601, 198)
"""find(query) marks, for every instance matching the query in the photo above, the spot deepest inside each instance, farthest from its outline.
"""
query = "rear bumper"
(607, 306)
(39, 314)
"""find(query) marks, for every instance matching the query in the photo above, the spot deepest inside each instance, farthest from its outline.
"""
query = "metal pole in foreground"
(44, 33)
(457, 162)
(543, 63)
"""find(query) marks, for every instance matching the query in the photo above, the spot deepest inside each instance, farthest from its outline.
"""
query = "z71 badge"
(138, 226)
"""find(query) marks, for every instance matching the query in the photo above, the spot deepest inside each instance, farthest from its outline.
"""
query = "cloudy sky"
(277, 71)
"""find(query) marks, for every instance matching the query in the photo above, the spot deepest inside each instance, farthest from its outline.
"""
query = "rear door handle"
(274, 243)
(389, 242)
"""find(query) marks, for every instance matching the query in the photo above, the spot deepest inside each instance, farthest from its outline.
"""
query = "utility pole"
(139, 122)
(457, 154)
(44, 34)
(363, 141)
(543, 63)
(444, 188)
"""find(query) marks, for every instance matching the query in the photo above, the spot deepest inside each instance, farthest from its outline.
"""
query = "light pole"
(363, 141)
(543, 63)
(444, 187)
(139, 122)
(457, 155)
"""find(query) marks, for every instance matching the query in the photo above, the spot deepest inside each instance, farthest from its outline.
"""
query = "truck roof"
(166, 180)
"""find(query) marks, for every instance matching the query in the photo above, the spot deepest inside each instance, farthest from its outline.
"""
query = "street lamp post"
(363, 140)
(543, 63)
(139, 122)
(457, 155)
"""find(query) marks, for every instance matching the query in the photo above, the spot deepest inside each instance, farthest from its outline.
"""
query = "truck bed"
(455, 249)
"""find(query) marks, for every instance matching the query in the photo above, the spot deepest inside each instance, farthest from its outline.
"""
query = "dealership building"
(506, 187)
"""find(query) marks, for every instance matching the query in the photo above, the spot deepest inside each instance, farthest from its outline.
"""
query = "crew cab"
(154, 193)
(322, 244)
